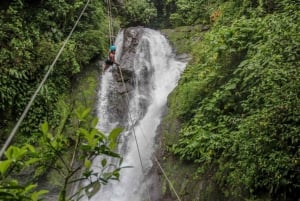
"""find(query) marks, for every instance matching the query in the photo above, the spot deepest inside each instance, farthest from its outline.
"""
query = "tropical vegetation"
(238, 100)
(31, 34)
(234, 115)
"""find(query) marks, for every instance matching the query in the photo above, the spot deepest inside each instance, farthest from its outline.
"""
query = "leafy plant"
(50, 153)
(31, 35)
(138, 12)
(238, 102)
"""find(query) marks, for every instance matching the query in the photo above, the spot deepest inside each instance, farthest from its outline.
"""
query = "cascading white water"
(155, 59)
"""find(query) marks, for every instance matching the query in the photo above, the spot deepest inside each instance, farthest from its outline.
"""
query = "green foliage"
(239, 102)
(31, 35)
(138, 12)
(50, 151)
(84, 53)
(190, 12)
(16, 159)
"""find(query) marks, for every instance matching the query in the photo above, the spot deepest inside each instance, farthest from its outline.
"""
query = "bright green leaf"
(87, 163)
(44, 127)
(4, 165)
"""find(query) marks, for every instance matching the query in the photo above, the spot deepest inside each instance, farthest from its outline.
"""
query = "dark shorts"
(109, 62)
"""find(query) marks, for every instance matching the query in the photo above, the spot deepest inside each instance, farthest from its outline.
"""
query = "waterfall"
(156, 73)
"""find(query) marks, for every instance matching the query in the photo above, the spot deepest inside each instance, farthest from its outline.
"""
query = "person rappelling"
(111, 58)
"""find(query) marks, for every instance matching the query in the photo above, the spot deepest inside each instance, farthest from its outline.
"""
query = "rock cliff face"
(131, 38)
(124, 74)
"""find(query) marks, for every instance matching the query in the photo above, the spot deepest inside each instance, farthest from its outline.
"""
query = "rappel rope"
(167, 178)
(13, 132)
(156, 160)
(133, 129)
(162, 170)
(28, 106)
(111, 40)
(110, 24)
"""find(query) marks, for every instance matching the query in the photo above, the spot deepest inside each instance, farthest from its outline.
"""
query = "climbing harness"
(13, 132)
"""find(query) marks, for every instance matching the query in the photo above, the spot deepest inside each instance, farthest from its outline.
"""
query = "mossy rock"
(182, 38)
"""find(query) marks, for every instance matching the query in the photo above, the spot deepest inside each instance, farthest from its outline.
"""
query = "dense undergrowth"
(31, 34)
(238, 101)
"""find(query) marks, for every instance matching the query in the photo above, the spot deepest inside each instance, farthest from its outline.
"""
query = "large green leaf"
(113, 137)
(4, 165)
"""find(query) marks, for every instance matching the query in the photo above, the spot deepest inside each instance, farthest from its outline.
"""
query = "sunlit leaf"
(35, 196)
(44, 127)
(87, 164)
(30, 187)
(113, 137)
(4, 165)
(94, 122)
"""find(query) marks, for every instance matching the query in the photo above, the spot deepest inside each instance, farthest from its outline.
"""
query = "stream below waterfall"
(151, 72)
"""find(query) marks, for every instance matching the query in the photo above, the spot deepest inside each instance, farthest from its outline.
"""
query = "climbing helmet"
(112, 48)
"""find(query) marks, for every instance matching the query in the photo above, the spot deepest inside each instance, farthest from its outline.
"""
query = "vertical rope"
(127, 98)
(108, 14)
(110, 23)
(111, 40)
(136, 142)
(156, 160)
